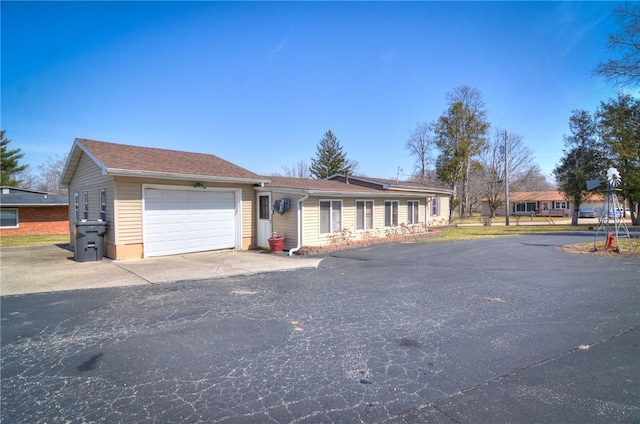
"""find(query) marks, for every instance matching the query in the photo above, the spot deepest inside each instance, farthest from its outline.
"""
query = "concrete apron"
(51, 268)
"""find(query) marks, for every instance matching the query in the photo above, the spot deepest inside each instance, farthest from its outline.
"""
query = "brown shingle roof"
(542, 196)
(338, 186)
(149, 159)
(521, 196)
(409, 184)
(317, 185)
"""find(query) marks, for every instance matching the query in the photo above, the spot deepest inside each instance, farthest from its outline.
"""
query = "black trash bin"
(89, 240)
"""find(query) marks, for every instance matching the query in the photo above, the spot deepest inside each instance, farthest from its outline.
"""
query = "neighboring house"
(541, 203)
(162, 202)
(326, 211)
(32, 212)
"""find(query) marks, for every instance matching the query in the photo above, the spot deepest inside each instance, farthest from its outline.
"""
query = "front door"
(264, 219)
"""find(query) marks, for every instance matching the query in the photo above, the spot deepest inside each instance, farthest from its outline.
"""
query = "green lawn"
(482, 232)
(19, 241)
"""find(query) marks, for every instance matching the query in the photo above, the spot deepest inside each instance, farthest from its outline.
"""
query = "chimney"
(346, 176)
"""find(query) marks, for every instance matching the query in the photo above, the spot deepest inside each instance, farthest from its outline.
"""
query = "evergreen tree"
(585, 158)
(9, 167)
(330, 159)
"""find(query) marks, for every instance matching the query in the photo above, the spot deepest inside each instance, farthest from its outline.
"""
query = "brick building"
(31, 212)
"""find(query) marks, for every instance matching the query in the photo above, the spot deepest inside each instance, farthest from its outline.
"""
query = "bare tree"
(476, 189)
(28, 178)
(626, 68)
(521, 168)
(421, 144)
(299, 170)
(51, 173)
(46, 177)
(531, 179)
(352, 165)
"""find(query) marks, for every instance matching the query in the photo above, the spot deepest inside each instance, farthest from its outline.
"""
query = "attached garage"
(183, 220)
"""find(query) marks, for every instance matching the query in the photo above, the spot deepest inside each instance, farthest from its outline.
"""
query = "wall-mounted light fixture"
(199, 185)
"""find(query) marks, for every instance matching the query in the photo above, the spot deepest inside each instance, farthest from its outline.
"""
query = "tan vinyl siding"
(287, 224)
(249, 214)
(129, 207)
(311, 219)
(88, 178)
(128, 211)
(349, 214)
(443, 216)
(311, 222)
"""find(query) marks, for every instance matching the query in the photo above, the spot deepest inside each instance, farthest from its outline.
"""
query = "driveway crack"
(133, 273)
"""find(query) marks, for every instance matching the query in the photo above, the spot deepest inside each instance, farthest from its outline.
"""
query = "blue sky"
(259, 83)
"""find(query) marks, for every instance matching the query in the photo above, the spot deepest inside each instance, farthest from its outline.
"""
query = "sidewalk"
(52, 268)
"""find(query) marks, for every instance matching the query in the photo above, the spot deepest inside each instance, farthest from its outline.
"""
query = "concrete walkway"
(52, 268)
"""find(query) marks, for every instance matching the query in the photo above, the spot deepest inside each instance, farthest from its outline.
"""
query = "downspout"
(299, 211)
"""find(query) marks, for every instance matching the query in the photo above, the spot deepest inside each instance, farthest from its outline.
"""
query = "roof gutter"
(420, 190)
(299, 211)
(27, 205)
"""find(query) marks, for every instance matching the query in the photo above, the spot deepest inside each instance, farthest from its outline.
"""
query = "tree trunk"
(576, 211)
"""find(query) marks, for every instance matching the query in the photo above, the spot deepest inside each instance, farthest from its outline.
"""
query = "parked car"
(587, 213)
(616, 213)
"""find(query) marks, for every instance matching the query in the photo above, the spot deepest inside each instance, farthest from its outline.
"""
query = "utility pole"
(506, 179)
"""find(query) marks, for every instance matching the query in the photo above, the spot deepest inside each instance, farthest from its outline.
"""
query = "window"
(330, 216)
(264, 206)
(545, 206)
(85, 201)
(76, 203)
(413, 212)
(524, 207)
(390, 213)
(364, 215)
(8, 218)
(103, 205)
(560, 205)
(435, 206)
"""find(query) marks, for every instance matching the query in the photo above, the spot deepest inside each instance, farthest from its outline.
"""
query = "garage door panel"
(178, 221)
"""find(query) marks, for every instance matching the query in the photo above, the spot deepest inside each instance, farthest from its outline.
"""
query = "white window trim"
(397, 202)
(85, 205)
(563, 204)
(103, 206)
(331, 229)
(435, 204)
(364, 221)
(17, 218)
(411, 202)
(76, 202)
(524, 206)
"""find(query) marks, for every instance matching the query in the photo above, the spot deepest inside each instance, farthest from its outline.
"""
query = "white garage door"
(179, 221)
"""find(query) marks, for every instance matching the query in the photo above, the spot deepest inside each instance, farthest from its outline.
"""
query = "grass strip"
(26, 241)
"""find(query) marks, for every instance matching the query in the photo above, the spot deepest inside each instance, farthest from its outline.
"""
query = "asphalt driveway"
(494, 331)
